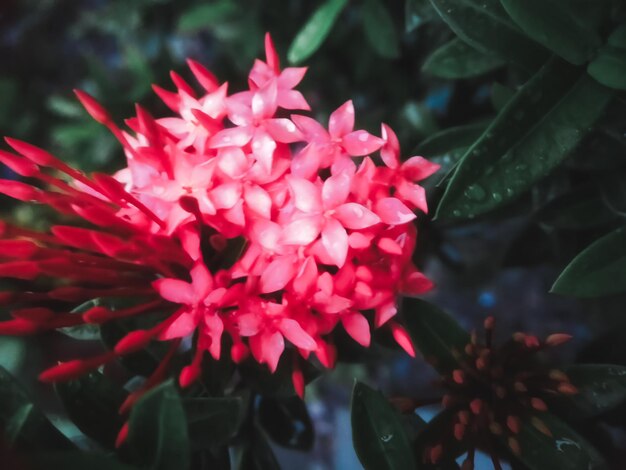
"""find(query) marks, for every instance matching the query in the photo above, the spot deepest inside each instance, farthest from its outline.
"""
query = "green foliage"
(158, 435)
(599, 270)
(287, 422)
(456, 59)
(378, 434)
(315, 31)
(379, 29)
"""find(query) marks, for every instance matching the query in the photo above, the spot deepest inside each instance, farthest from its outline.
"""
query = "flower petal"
(283, 130)
(306, 195)
(341, 120)
(356, 325)
(335, 241)
(393, 212)
(360, 143)
(355, 216)
(292, 330)
(232, 137)
(335, 190)
(277, 274)
(175, 290)
(302, 231)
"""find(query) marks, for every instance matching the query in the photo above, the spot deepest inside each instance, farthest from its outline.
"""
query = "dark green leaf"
(287, 422)
(553, 24)
(277, 384)
(609, 66)
(450, 139)
(566, 450)
(599, 270)
(500, 95)
(601, 388)
(92, 402)
(580, 209)
(614, 193)
(206, 15)
(456, 59)
(438, 336)
(76, 461)
(485, 26)
(315, 31)
(157, 432)
(379, 29)
(535, 131)
(24, 426)
(378, 434)
(86, 331)
(212, 421)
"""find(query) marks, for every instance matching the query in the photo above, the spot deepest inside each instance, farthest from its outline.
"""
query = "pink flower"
(222, 221)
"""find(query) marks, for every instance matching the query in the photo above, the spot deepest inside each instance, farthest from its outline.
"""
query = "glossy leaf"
(435, 333)
(204, 15)
(599, 270)
(416, 13)
(92, 403)
(534, 132)
(378, 434)
(379, 29)
(87, 331)
(484, 25)
(554, 25)
(22, 424)
(565, 450)
(601, 388)
(158, 433)
(609, 66)
(438, 431)
(287, 422)
(315, 31)
(456, 59)
(212, 421)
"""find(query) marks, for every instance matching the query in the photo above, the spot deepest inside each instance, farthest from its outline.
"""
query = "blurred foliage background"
(401, 63)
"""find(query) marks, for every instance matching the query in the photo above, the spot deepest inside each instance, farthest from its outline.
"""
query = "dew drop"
(497, 197)
(363, 137)
(475, 192)
(386, 437)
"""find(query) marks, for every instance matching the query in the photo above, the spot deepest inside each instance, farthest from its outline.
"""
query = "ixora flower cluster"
(234, 217)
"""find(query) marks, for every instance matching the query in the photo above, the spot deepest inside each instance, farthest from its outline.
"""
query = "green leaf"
(86, 331)
(600, 269)
(553, 24)
(206, 15)
(212, 421)
(450, 139)
(500, 95)
(601, 388)
(456, 59)
(287, 422)
(578, 210)
(484, 25)
(566, 450)
(437, 431)
(378, 434)
(379, 29)
(23, 425)
(609, 66)
(76, 461)
(158, 429)
(278, 384)
(535, 131)
(315, 31)
(92, 402)
(436, 334)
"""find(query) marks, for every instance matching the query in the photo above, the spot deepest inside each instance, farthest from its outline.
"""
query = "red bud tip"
(538, 404)
(458, 376)
(531, 342)
(489, 323)
(66, 371)
(459, 431)
(208, 81)
(297, 378)
(435, 453)
(476, 405)
(540, 426)
(464, 417)
(122, 435)
(402, 338)
(239, 352)
(95, 109)
(567, 388)
(133, 342)
(97, 315)
(557, 339)
(513, 423)
(188, 375)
